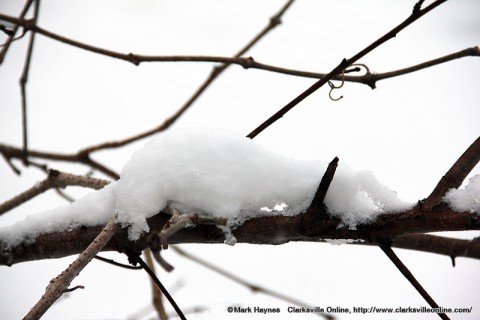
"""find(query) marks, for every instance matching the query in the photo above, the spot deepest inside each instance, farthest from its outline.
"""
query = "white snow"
(467, 199)
(214, 172)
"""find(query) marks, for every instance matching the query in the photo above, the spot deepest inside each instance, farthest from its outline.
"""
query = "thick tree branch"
(265, 230)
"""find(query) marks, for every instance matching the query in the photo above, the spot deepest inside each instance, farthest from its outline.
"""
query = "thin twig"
(117, 264)
(160, 286)
(157, 300)
(456, 175)
(341, 67)
(23, 84)
(243, 282)
(59, 284)
(322, 189)
(10, 152)
(216, 71)
(407, 274)
(83, 156)
(55, 179)
(11, 38)
(439, 245)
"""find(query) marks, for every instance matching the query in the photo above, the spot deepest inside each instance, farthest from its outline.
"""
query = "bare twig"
(439, 245)
(10, 152)
(117, 264)
(407, 274)
(74, 288)
(341, 67)
(10, 39)
(253, 287)
(59, 284)
(327, 178)
(23, 84)
(455, 176)
(55, 179)
(157, 300)
(160, 285)
(274, 21)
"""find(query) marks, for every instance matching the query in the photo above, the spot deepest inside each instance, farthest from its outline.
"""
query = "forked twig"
(55, 179)
(59, 284)
(11, 38)
(23, 84)
(341, 67)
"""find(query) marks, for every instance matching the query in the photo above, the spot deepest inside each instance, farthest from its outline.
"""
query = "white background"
(408, 131)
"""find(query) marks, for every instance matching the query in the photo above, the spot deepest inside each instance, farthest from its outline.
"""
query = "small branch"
(327, 178)
(74, 288)
(456, 175)
(439, 245)
(160, 286)
(274, 21)
(156, 293)
(11, 38)
(59, 284)
(253, 287)
(23, 84)
(55, 179)
(117, 264)
(341, 67)
(407, 274)
(10, 152)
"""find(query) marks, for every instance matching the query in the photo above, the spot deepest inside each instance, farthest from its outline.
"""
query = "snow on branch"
(264, 198)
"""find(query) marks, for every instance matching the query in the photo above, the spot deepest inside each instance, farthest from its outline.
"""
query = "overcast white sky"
(408, 131)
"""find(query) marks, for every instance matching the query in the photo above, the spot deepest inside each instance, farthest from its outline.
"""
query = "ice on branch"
(468, 199)
(219, 173)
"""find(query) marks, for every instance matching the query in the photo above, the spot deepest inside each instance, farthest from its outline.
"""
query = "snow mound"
(219, 173)
(468, 199)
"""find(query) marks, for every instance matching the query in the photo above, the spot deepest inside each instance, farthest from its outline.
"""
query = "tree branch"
(58, 285)
(455, 176)
(341, 67)
(267, 230)
(10, 39)
(10, 152)
(55, 179)
(369, 79)
(407, 274)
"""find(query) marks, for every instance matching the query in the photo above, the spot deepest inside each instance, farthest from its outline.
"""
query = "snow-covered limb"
(266, 199)
(272, 230)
